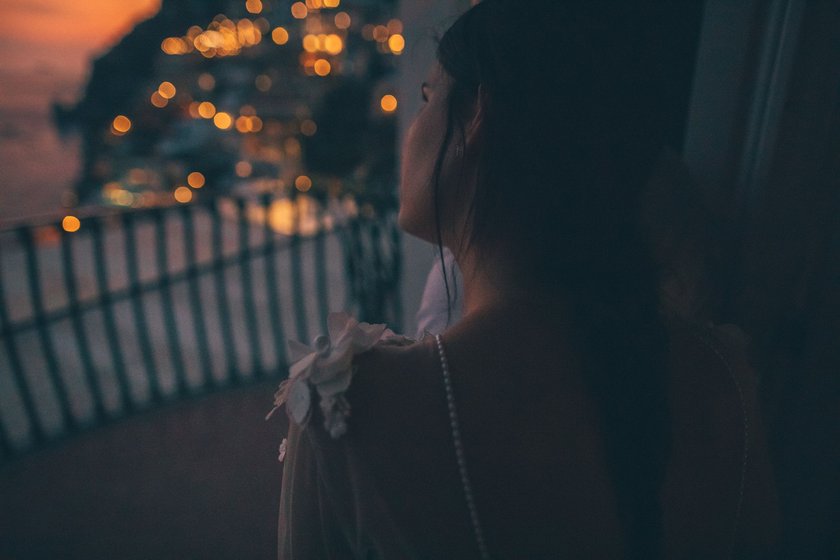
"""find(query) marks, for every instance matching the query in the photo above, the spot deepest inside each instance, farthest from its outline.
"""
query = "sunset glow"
(69, 32)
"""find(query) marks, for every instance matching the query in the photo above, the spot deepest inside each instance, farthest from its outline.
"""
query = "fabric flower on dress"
(327, 366)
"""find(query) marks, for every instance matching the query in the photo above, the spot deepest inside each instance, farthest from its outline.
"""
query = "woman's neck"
(494, 282)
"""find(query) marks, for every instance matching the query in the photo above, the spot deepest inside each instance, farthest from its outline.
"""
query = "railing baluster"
(194, 289)
(36, 424)
(378, 285)
(396, 274)
(59, 385)
(168, 304)
(245, 268)
(82, 342)
(107, 303)
(349, 267)
(297, 280)
(272, 289)
(141, 324)
(221, 294)
(321, 278)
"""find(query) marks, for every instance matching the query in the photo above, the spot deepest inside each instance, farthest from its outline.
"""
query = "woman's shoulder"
(358, 369)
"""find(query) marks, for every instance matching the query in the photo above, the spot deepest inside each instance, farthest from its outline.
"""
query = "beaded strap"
(459, 452)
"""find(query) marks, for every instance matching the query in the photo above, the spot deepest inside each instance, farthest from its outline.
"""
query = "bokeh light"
(303, 183)
(396, 43)
(322, 67)
(206, 109)
(299, 10)
(196, 179)
(254, 6)
(206, 81)
(342, 20)
(222, 120)
(280, 35)
(388, 103)
(380, 33)
(333, 44)
(244, 169)
(308, 127)
(395, 26)
(71, 224)
(167, 90)
(183, 194)
(263, 82)
(121, 125)
(158, 100)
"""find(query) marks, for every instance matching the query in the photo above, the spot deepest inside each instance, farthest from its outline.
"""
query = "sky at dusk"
(47, 46)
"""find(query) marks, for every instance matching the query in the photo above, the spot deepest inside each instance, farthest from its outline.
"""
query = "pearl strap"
(459, 451)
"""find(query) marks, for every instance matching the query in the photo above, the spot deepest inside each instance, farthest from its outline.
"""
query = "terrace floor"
(197, 479)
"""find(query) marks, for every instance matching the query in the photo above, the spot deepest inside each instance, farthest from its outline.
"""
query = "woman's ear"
(475, 128)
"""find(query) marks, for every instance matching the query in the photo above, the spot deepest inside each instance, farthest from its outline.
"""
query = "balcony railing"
(141, 308)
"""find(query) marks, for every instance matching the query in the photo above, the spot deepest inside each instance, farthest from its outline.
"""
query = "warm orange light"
(206, 109)
(367, 32)
(299, 10)
(222, 120)
(314, 4)
(174, 45)
(254, 6)
(158, 100)
(263, 82)
(183, 194)
(388, 103)
(256, 124)
(121, 125)
(331, 3)
(206, 81)
(167, 90)
(303, 183)
(333, 44)
(243, 124)
(244, 169)
(395, 26)
(310, 43)
(380, 33)
(322, 67)
(280, 36)
(71, 224)
(195, 179)
(308, 127)
(396, 43)
(342, 20)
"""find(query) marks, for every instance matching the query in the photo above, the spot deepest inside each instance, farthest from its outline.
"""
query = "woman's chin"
(411, 226)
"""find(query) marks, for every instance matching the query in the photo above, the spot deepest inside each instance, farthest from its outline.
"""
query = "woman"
(556, 418)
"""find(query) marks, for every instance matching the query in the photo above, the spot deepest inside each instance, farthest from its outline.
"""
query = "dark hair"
(571, 130)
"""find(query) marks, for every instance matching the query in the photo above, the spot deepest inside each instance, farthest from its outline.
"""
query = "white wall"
(423, 20)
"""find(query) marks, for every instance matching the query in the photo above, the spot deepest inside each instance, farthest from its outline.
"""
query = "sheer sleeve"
(308, 527)
(330, 506)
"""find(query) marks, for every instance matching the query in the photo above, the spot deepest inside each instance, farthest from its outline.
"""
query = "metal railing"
(145, 307)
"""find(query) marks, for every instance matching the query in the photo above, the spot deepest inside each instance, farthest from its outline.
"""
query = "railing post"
(136, 295)
(245, 264)
(82, 342)
(274, 309)
(53, 371)
(191, 263)
(101, 275)
(221, 293)
(167, 304)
